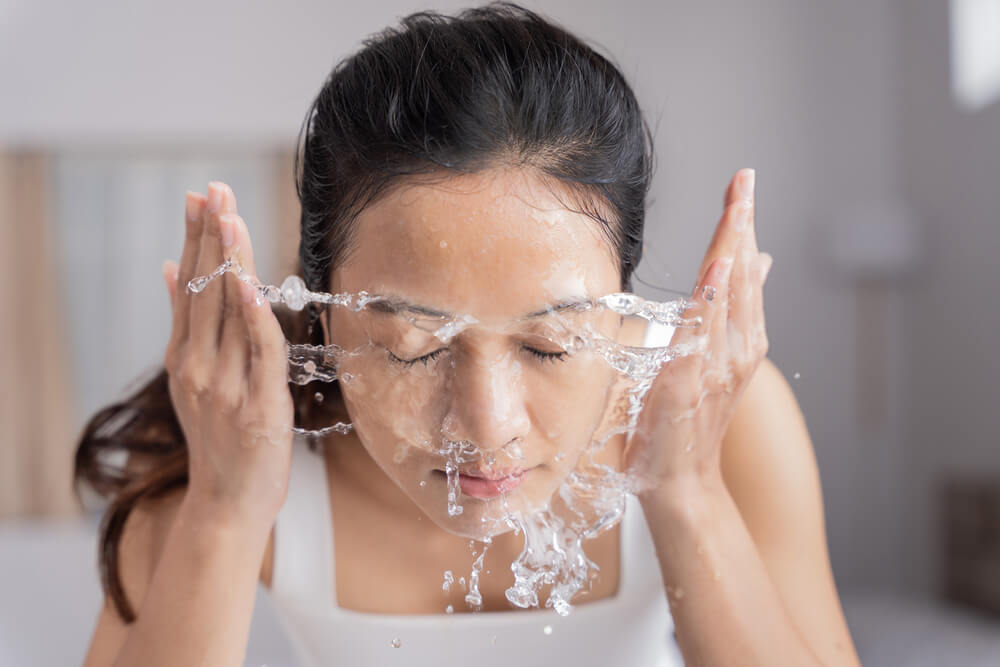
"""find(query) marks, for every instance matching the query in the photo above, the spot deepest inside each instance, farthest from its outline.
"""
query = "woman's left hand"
(689, 406)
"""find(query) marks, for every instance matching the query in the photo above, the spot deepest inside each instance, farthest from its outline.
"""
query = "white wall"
(950, 163)
(802, 91)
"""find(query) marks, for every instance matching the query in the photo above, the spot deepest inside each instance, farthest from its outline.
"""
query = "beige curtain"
(36, 413)
(285, 233)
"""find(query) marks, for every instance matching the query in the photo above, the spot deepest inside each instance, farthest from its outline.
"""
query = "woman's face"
(501, 399)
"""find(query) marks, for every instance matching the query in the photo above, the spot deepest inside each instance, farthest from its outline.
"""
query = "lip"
(476, 484)
(485, 488)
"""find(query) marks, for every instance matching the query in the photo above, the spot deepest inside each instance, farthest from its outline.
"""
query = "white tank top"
(632, 628)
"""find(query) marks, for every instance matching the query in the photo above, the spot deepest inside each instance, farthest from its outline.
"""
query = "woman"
(488, 164)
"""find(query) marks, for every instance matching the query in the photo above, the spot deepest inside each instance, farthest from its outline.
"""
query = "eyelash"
(427, 358)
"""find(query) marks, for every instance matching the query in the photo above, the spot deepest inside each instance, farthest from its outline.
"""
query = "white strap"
(303, 533)
(658, 335)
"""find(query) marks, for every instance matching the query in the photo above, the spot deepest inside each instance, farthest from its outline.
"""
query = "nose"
(488, 405)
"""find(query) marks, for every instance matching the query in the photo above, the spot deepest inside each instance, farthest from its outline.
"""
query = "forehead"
(495, 244)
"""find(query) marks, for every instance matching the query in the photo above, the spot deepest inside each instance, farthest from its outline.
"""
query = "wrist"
(688, 498)
(219, 520)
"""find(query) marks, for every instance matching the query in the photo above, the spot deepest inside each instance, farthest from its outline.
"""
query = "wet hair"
(436, 96)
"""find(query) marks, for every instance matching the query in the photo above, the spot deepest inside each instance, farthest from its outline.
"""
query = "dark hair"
(496, 85)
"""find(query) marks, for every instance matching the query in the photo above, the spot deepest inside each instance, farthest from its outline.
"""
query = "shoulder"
(769, 467)
(767, 437)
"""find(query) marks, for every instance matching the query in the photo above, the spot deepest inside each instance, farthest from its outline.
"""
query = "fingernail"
(229, 198)
(191, 207)
(214, 197)
(226, 226)
(749, 179)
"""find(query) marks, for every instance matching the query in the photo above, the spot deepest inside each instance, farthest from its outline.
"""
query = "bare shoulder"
(768, 461)
(769, 466)
(767, 441)
(143, 538)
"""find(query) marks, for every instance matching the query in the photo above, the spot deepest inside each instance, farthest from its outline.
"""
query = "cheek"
(391, 415)
(567, 412)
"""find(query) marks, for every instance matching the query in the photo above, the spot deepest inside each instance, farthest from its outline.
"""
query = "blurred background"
(874, 127)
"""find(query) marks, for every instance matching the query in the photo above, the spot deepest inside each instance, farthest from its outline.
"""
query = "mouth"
(479, 484)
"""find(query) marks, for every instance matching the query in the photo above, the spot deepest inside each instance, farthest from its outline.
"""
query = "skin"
(497, 382)
(732, 495)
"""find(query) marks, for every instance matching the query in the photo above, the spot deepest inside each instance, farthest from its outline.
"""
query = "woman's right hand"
(228, 372)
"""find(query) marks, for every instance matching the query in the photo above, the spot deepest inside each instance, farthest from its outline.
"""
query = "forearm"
(725, 607)
(199, 602)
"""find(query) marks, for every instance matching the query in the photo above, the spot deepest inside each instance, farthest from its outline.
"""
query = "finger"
(745, 288)
(194, 210)
(749, 192)
(706, 299)
(169, 269)
(762, 266)
(268, 357)
(738, 194)
(234, 353)
(717, 318)
(738, 328)
(728, 236)
(234, 348)
(229, 223)
(207, 307)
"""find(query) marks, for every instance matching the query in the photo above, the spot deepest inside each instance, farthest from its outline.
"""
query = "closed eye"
(546, 356)
(431, 356)
(426, 359)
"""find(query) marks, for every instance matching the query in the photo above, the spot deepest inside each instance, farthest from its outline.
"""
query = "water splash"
(552, 554)
(474, 598)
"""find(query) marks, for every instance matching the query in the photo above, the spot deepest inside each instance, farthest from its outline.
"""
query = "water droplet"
(318, 397)
(196, 285)
(515, 452)
(449, 610)
(396, 643)
(444, 244)
(797, 375)
(294, 293)
(423, 483)
(547, 629)
(708, 293)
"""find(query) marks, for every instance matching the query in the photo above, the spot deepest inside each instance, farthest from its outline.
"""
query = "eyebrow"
(395, 305)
